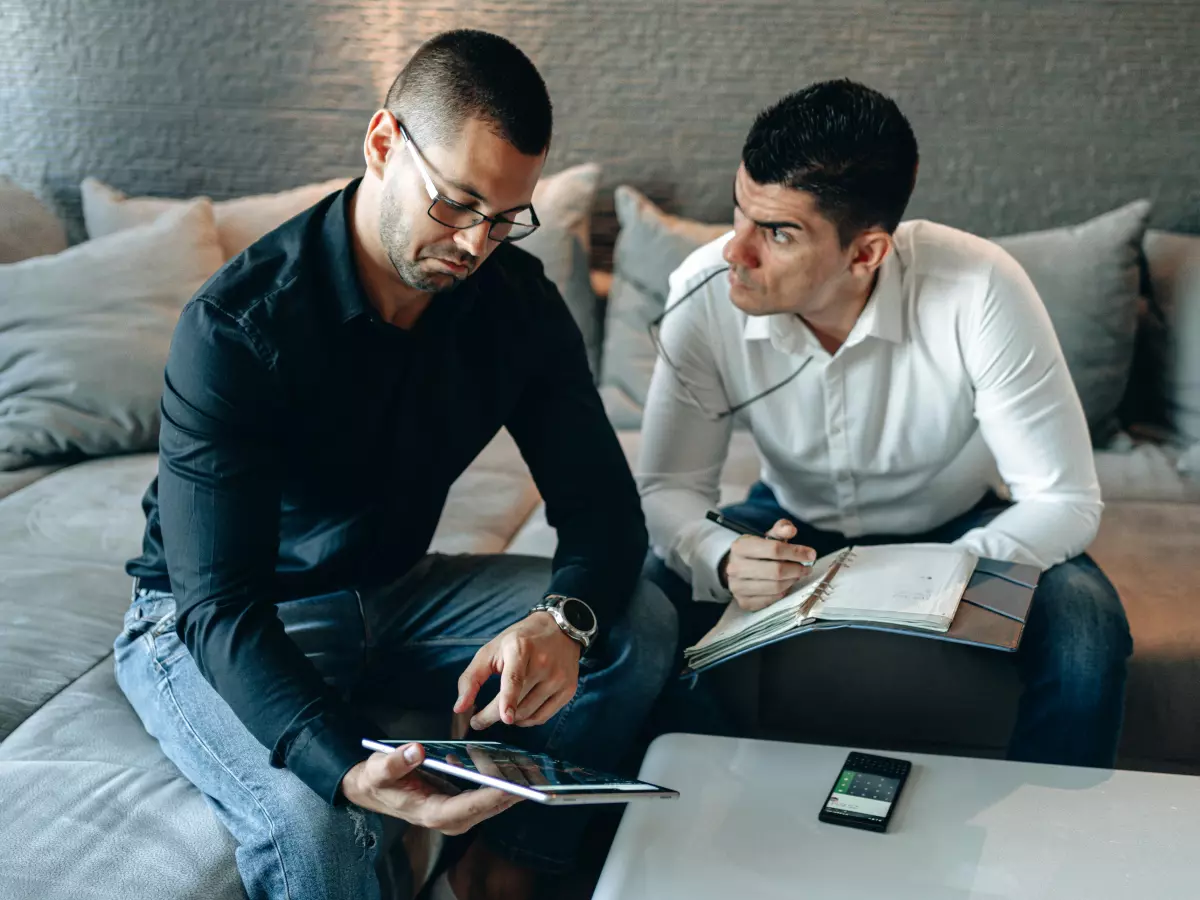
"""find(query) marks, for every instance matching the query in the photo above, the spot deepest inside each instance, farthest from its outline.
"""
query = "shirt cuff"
(706, 566)
(325, 750)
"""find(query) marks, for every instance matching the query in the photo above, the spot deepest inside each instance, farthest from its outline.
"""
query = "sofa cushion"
(650, 246)
(1144, 472)
(565, 262)
(84, 336)
(1167, 361)
(240, 222)
(27, 228)
(1088, 276)
(58, 618)
(11, 482)
(1149, 551)
(84, 787)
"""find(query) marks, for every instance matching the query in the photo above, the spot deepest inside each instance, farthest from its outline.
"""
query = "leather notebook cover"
(991, 614)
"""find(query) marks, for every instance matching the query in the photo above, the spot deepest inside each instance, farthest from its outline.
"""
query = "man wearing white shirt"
(893, 378)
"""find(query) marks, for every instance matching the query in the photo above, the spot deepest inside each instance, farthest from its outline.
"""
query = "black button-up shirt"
(307, 446)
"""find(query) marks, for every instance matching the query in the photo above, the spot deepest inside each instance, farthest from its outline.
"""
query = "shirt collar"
(347, 288)
(880, 317)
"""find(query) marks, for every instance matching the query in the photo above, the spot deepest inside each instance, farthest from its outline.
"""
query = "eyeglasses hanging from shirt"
(692, 390)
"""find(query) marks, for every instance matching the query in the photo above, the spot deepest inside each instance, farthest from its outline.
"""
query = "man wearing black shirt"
(322, 393)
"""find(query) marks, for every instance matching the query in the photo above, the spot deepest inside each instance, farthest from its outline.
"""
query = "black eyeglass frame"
(655, 330)
(436, 196)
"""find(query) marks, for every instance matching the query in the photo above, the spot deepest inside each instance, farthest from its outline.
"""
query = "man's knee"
(1086, 634)
(645, 640)
(334, 846)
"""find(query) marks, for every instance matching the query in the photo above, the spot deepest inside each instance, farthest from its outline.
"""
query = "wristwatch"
(573, 616)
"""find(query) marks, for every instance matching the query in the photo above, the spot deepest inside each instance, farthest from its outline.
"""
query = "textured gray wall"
(1029, 113)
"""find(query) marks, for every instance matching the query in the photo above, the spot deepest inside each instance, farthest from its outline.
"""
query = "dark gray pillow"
(1088, 277)
(566, 264)
(650, 246)
(84, 337)
(1168, 356)
(27, 228)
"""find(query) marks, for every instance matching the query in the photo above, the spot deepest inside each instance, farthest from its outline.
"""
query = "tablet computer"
(534, 776)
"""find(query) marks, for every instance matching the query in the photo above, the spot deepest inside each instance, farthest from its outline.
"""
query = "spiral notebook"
(896, 586)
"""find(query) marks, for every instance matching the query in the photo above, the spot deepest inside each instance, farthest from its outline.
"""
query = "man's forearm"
(1037, 532)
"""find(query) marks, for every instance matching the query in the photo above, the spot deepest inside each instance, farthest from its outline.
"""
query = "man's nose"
(740, 252)
(473, 240)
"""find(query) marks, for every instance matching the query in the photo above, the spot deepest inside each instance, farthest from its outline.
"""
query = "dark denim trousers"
(408, 643)
(1071, 659)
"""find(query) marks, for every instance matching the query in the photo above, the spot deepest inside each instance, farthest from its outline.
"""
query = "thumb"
(402, 761)
(783, 530)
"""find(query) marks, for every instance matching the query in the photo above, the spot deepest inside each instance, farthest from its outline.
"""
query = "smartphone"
(866, 792)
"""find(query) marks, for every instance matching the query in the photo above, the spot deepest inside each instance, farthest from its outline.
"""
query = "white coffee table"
(745, 826)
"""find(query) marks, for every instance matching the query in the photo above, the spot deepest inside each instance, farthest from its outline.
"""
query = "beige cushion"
(240, 222)
(564, 199)
(27, 228)
(488, 502)
(1145, 471)
(84, 336)
(11, 482)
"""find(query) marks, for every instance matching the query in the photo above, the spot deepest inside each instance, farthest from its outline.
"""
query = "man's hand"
(538, 666)
(387, 783)
(760, 571)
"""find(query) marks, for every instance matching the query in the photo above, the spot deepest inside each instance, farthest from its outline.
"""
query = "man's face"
(785, 255)
(477, 169)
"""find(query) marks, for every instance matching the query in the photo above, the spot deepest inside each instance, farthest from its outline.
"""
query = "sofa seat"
(91, 806)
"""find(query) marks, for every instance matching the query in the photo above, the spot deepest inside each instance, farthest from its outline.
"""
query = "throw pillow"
(27, 228)
(240, 222)
(566, 199)
(1088, 277)
(650, 246)
(84, 336)
(1171, 327)
(566, 264)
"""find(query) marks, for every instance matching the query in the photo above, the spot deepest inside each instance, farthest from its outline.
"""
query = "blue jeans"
(407, 642)
(1071, 659)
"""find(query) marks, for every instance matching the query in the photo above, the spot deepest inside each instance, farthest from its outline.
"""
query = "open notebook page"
(919, 584)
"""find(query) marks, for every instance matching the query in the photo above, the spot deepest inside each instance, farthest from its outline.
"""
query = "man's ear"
(382, 136)
(869, 250)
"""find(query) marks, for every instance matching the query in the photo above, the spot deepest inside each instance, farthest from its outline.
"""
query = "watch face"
(578, 615)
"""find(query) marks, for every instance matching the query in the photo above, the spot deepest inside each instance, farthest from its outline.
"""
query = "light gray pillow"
(1088, 277)
(27, 228)
(650, 246)
(84, 336)
(566, 264)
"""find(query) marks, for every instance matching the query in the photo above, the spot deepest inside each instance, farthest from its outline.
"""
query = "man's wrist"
(722, 567)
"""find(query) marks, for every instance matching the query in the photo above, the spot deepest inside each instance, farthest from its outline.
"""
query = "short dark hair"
(472, 74)
(844, 143)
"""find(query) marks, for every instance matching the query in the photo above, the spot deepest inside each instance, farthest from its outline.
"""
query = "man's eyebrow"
(466, 189)
(737, 205)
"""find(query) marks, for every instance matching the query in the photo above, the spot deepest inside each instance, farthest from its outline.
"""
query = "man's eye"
(779, 236)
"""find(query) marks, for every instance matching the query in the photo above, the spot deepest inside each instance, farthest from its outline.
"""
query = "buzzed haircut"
(465, 74)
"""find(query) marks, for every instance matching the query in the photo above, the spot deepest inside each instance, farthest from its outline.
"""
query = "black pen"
(740, 528)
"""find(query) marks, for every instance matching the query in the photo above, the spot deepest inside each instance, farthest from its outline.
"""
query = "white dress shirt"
(951, 382)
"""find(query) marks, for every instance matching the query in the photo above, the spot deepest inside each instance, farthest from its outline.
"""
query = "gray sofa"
(92, 809)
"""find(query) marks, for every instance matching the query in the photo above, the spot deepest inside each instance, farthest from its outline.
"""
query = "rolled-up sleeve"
(219, 503)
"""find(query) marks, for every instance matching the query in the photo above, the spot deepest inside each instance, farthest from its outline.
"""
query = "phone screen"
(863, 795)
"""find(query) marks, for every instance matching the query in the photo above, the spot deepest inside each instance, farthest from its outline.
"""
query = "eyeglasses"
(502, 228)
(690, 389)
